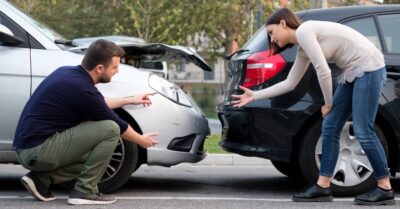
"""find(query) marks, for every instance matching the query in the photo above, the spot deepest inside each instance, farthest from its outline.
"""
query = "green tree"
(74, 18)
(219, 23)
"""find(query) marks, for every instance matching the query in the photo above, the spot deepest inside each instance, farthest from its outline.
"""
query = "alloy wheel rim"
(353, 166)
(116, 162)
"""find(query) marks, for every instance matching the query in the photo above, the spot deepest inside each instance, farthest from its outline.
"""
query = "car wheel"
(124, 161)
(353, 173)
(290, 169)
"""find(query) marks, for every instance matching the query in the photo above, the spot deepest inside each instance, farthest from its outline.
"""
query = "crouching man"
(68, 131)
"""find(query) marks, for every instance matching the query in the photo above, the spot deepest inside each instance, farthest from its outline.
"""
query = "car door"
(390, 29)
(15, 79)
(382, 30)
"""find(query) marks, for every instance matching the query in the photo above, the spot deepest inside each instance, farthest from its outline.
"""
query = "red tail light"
(260, 67)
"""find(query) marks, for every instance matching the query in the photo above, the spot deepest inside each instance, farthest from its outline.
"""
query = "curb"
(232, 160)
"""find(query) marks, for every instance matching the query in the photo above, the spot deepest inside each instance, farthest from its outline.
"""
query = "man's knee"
(109, 127)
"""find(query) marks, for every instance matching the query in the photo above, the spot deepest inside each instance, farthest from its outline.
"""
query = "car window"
(367, 27)
(390, 25)
(258, 42)
(17, 31)
(152, 65)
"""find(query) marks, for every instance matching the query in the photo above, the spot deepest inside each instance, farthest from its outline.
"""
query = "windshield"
(258, 42)
(50, 33)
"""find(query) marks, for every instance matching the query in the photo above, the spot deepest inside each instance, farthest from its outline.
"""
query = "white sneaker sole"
(78, 201)
(30, 186)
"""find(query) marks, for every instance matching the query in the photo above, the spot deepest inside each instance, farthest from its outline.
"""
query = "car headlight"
(173, 92)
(169, 90)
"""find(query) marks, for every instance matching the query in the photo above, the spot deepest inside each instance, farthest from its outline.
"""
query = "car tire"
(124, 161)
(309, 161)
(290, 169)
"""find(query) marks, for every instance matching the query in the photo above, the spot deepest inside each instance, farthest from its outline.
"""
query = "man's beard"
(103, 79)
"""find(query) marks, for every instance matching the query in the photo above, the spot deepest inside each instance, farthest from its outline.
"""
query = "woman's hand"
(325, 110)
(245, 98)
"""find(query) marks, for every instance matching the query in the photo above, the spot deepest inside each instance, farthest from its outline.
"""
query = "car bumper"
(188, 147)
(182, 131)
(256, 132)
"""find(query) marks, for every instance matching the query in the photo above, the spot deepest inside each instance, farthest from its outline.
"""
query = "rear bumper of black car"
(257, 132)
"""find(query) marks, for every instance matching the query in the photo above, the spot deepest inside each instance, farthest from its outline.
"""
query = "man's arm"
(114, 103)
(146, 140)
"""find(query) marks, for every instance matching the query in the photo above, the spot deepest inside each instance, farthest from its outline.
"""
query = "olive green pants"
(81, 152)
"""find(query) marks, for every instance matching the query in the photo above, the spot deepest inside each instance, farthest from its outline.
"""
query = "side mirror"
(7, 37)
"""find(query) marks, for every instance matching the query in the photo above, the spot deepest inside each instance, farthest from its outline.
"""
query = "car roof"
(340, 13)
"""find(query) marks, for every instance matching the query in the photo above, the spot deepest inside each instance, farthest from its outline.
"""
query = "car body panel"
(265, 126)
(35, 64)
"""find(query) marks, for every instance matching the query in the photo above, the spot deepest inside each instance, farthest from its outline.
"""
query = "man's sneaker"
(79, 198)
(36, 187)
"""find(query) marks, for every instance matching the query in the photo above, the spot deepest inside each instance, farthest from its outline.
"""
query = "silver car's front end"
(181, 125)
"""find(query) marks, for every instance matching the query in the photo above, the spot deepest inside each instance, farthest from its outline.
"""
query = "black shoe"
(36, 187)
(314, 193)
(376, 196)
(79, 198)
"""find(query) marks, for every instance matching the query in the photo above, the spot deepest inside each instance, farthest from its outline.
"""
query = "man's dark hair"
(101, 52)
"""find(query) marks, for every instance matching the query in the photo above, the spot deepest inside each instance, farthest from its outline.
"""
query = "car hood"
(164, 52)
(150, 52)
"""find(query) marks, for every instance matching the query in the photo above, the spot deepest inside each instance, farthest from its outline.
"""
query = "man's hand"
(146, 140)
(245, 98)
(143, 99)
(325, 110)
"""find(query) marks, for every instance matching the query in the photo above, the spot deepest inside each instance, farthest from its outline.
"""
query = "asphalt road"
(185, 186)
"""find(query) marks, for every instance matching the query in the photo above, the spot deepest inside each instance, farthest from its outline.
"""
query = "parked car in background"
(158, 67)
(287, 128)
(29, 51)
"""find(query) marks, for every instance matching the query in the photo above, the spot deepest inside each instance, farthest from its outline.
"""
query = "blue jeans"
(359, 98)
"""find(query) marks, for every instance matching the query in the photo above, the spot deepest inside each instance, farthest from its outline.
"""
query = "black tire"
(309, 164)
(125, 160)
(291, 169)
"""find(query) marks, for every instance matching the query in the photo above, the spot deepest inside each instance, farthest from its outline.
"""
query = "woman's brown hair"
(292, 21)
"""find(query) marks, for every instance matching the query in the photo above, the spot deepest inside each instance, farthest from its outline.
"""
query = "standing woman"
(363, 77)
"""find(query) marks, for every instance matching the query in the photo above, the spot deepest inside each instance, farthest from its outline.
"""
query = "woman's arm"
(297, 71)
(307, 40)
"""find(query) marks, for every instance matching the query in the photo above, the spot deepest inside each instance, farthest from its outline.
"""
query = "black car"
(287, 129)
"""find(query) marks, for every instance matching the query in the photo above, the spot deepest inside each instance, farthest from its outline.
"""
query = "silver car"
(30, 51)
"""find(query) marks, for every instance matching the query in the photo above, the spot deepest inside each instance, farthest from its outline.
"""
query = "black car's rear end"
(266, 127)
(287, 128)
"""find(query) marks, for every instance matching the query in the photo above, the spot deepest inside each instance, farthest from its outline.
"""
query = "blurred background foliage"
(168, 21)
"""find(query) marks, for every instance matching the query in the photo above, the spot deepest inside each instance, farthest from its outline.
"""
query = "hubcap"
(352, 167)
(116, 161)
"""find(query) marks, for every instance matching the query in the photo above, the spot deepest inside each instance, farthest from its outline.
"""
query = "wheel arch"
(393, 147)
(299, 137)
(381, 120)
(132, 122)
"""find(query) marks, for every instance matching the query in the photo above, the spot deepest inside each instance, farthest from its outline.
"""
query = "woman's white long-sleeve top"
(320, 42)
